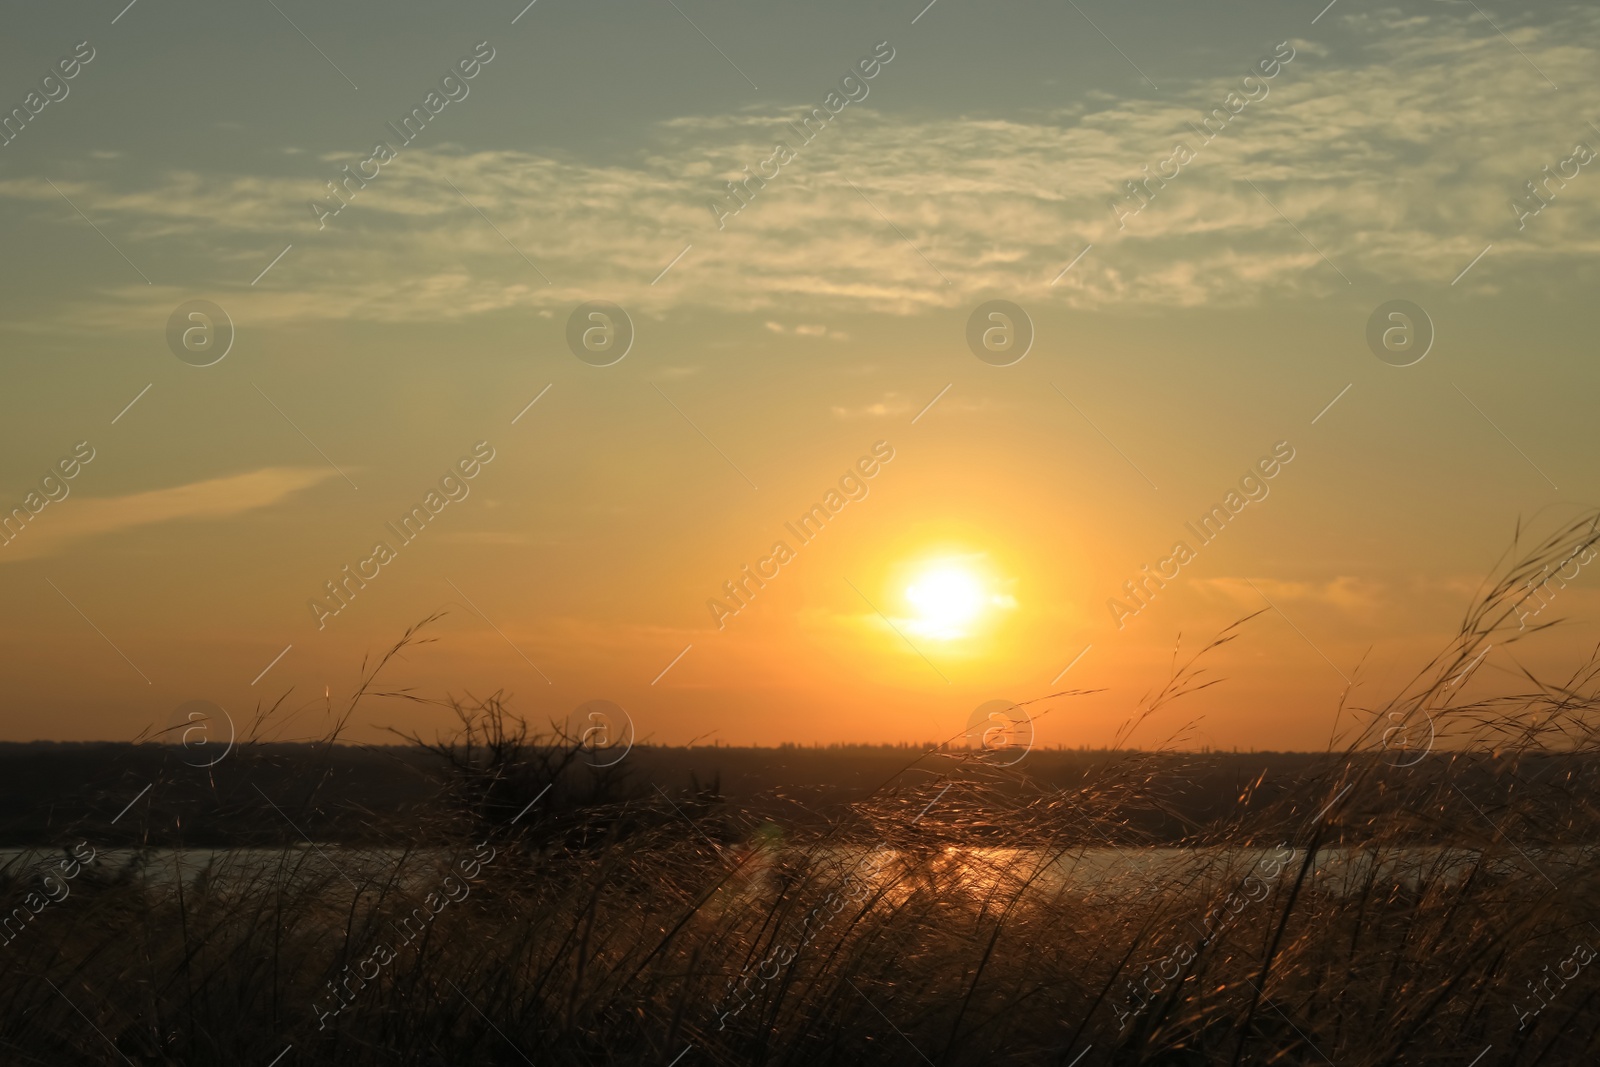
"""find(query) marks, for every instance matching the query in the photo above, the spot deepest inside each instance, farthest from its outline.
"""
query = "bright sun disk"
(946, 599)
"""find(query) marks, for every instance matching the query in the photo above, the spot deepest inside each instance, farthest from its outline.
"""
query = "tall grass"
(1402, 905)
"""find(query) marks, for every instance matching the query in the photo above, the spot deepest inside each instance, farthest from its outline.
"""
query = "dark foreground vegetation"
(377, 795)
(1393, 902)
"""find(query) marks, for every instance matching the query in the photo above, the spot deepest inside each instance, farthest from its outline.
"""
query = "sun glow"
(947, 600)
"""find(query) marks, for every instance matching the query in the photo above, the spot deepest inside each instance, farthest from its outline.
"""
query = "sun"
(947, 600)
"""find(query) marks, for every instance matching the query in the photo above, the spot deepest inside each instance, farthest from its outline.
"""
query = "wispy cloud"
(1397, 153)
(1357, 596)
(75, 518)
(891, 404)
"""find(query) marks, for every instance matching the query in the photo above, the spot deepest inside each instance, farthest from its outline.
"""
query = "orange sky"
(586, 511)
